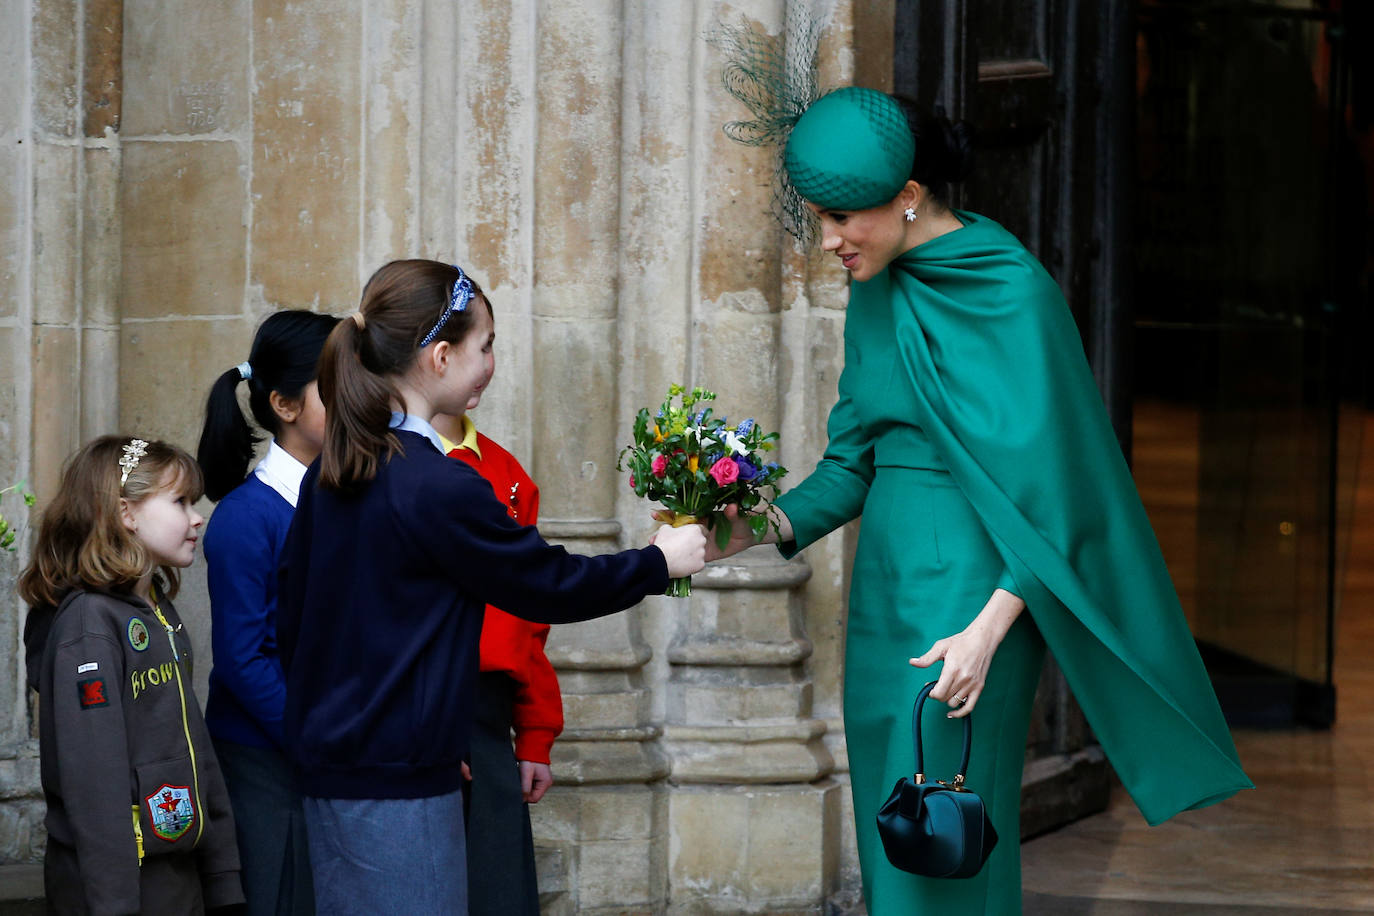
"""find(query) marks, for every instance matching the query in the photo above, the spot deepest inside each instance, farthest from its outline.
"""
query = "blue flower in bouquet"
(745, 427)
(747, 471)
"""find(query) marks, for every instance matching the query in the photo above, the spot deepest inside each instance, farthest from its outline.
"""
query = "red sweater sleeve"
(508, 643)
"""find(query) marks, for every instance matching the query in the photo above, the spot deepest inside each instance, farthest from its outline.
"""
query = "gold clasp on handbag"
(957, 785)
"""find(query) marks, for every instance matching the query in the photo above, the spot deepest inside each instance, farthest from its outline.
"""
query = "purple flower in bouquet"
(747, 471)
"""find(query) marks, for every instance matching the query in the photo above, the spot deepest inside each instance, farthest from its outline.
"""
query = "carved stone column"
(754, 816)
(754, 820)
(59, 314)
(603, 827)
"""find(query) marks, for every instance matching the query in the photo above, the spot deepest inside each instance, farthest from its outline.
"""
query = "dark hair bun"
(957, 139)
(944, 148)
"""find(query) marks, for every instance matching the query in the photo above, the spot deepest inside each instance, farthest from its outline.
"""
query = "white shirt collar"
(280, 471)
(413, 424)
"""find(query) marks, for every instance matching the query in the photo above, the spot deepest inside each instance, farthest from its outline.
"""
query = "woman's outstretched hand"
(742, 538)
(684, 548)
(967, 655)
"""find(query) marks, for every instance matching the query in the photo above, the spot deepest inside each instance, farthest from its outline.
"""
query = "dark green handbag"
(939, 829)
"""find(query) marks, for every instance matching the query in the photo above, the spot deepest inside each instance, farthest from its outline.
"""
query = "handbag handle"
(920, 775)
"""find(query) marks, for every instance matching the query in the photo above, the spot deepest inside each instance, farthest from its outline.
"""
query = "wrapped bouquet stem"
(694, 464)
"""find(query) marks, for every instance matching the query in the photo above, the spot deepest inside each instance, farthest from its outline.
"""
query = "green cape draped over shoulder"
(1005, 394)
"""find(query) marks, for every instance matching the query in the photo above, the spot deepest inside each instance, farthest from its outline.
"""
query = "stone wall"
(176, 171)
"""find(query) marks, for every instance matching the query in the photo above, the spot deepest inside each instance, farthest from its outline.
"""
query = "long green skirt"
(924, 569)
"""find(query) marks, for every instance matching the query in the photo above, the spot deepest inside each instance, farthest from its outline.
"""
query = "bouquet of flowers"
(694, 464)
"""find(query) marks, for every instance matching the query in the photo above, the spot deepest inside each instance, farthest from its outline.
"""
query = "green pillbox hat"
(851, 150)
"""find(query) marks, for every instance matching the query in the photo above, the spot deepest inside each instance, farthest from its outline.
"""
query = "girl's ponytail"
(226, 440)
(357, 417)
(284, 358)
(404, 305)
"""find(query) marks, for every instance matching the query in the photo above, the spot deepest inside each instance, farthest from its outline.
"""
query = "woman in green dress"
(999, 516)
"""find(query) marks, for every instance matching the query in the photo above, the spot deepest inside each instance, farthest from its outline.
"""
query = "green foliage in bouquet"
(695, 464)
(7, 530)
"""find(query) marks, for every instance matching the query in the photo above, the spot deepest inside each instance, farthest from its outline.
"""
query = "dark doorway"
(1189, 172)
(1246, 310)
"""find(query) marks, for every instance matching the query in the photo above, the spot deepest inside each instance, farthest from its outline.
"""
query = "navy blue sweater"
(380, 614)
(243, 546)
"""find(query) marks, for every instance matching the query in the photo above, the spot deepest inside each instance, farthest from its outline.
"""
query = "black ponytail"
(284, 359)
(944, 148)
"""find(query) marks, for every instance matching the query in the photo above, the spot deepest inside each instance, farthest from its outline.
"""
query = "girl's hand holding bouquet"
(696, 466)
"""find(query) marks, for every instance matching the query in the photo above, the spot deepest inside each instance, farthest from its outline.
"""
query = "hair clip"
(133, 452)
(457, 302)
(245, 370)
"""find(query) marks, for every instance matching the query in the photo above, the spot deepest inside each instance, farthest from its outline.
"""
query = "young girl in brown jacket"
(138, 818)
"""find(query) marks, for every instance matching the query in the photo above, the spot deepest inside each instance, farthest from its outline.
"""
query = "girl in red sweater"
(517, 690)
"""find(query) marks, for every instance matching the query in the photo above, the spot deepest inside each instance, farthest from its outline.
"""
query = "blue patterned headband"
(457, 302)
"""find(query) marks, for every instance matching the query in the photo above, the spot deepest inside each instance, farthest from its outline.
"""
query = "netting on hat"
(852, 150)
(776, 77)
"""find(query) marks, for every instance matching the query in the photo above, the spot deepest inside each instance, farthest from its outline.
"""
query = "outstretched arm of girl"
(968, 654)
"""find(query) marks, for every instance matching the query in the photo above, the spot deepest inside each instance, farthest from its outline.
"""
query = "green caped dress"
(971, 437)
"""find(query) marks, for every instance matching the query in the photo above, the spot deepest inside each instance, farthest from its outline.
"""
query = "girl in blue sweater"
(243, 550)
(394, 551)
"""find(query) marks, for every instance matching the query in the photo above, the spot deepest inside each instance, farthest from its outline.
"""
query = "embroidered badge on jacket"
(138, 634)
(91, 693)
(171, 812)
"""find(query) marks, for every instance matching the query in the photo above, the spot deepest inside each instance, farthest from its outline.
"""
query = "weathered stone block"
(13, 66)
(99, 382)
(391, 71)
(606, 710)
(56, 238)
(102, 72)
(735, 700)
(186, 72)
(101, 222)
(575, 358)
(761, 849)
(606, 643)
(184, 239)
(306, 137)
(56, 90)
(496, 91)
(633, 759)
(166, 368)
(14, 227)
(613, 843)
(577, 162)
(55, 378)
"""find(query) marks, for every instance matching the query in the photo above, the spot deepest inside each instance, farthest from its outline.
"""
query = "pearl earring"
(910, 214)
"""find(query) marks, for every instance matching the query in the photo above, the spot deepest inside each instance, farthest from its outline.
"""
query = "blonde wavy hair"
(82, 541)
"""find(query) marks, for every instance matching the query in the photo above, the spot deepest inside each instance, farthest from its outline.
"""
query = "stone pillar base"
(600, 850)
(753, 849)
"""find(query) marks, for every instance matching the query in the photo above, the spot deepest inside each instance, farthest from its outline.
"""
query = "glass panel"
(1235, 415)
